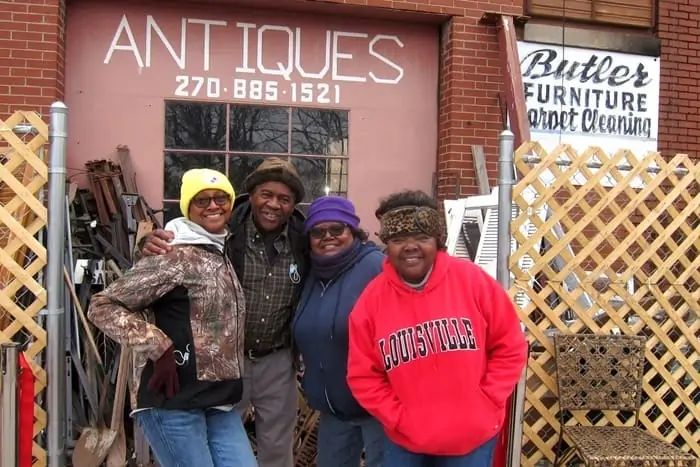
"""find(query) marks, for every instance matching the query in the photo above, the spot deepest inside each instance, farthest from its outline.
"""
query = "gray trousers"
(270, 386)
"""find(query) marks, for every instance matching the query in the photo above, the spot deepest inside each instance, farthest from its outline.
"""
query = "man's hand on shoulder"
(157, 243)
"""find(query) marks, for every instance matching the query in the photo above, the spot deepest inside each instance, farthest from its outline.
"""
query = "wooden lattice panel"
(634, 230)
(23, 174)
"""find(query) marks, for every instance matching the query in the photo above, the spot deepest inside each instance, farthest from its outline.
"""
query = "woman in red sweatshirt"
(436, 347)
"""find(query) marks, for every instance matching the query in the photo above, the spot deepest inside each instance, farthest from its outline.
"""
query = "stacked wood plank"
(105, 212)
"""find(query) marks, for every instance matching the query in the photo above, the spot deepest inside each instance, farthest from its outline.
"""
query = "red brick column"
(32, 40)
(469, 106)
(679, 113)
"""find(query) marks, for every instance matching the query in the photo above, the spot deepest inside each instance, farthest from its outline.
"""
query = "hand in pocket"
(165, 379)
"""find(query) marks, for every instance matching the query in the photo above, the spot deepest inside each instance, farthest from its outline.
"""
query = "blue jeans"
(340, 443)
(396, 456)
(196, 438)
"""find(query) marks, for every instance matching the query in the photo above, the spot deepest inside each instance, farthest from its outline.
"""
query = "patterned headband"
(408, 220)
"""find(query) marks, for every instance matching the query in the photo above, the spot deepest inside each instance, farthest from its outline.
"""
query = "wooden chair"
(604, 372)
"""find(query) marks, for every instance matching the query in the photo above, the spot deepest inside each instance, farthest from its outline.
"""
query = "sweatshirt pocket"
(489, 402)
(451, 427)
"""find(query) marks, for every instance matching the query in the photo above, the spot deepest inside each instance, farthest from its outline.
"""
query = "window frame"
(227, 152)
(528, 5)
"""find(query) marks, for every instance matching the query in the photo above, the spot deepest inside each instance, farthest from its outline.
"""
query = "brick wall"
(470, 81)
(31, 73)
(679, 113)
(31, 54)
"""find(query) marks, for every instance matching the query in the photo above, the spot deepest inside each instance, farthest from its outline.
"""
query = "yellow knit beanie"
(195, 181)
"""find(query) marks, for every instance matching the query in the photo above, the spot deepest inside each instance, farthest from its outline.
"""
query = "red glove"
(165, 377)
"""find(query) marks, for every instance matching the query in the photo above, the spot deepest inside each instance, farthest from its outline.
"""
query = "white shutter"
(454, 217)
(486, 253)
(458, 216)
(449, 206)
(471, 218)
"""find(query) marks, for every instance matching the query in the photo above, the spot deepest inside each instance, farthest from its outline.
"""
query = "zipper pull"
(325, 286)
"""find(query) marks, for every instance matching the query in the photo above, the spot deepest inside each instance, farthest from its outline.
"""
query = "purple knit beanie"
(331, 209)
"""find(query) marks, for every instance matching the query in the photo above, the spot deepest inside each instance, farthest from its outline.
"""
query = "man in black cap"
(270, 256)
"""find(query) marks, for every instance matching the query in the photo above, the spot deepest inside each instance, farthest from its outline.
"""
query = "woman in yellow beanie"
(192, 350)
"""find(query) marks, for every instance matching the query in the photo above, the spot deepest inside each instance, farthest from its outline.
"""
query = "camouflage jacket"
(197, 306)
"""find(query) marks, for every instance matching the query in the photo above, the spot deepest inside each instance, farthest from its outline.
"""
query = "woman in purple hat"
(343, 262)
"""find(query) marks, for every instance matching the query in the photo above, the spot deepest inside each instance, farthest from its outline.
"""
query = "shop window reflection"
(171, 211)
(195, 126)
(239, 167)
(319, 132)
(259, 129)
(176, 164)
(235, 139)
(322, 176)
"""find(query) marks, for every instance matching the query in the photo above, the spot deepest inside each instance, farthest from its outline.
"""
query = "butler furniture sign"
(589, 97)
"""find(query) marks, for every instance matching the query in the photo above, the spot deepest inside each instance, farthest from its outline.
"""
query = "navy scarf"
(329, 267)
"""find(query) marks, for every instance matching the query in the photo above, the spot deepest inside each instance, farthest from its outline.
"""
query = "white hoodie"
(190, 233)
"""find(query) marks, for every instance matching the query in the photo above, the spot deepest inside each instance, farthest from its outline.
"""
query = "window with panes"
(235, 139)
(632, 13)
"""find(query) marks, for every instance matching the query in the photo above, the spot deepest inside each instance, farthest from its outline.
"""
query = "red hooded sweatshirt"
(436, 366)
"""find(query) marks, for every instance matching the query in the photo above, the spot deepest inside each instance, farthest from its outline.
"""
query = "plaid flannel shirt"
(269, 291)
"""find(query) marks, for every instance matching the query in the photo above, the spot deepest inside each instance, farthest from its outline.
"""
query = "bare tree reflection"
(319, 132)
(195, 126)
(323, 133)
(171, 211)
(321, 174)
(176, 164)
(266, 130)
(239, 167)
(259, 129)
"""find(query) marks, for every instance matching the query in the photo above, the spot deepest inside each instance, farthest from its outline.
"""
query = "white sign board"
(585, 97)
(237, 60)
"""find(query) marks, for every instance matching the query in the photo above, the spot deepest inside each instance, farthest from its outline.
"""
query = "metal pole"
(506, 180)
(515, 435)
(9, 437)
(55, 320)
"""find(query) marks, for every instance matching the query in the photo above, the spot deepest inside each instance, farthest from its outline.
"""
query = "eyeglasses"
(335, 230)
(204, 202)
